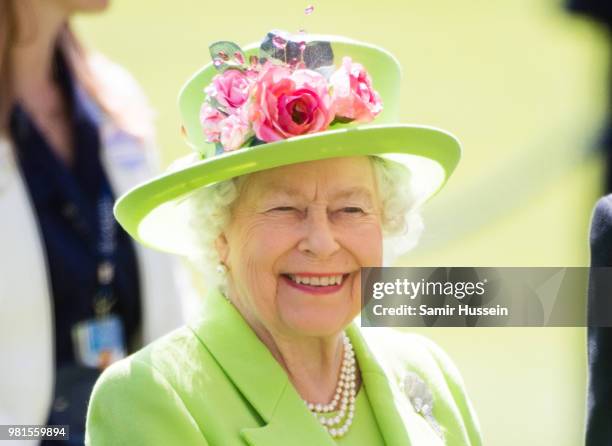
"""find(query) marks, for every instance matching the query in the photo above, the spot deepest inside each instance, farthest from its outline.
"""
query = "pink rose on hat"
(211, 119)
(235, 130)
(353, 95)
(230, 89)
(288, 103)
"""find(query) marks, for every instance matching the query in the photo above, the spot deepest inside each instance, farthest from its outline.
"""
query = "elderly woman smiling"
(290, 195)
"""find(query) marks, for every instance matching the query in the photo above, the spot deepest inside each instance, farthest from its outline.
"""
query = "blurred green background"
(519, 81)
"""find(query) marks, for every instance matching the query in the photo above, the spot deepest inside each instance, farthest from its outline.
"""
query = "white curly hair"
(210, 212)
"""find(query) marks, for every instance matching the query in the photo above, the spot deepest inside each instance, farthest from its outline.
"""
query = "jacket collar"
(263, 382)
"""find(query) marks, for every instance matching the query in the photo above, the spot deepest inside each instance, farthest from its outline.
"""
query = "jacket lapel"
(398, 422)
(261, 380)
(290, 423)
(381, 392)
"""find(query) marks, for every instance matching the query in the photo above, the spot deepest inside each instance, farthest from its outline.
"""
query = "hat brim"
(154, 213)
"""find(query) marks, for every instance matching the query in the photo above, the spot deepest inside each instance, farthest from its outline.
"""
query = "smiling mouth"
(317, 281)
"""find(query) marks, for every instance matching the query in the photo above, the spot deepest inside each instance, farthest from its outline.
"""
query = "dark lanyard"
(106, 247)
(104, 243)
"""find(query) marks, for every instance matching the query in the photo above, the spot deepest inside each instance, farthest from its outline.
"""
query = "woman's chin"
(316, 314)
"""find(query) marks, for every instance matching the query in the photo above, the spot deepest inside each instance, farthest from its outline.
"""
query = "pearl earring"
(221, 268)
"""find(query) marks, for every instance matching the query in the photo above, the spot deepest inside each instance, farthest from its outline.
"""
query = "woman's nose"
(319, 239)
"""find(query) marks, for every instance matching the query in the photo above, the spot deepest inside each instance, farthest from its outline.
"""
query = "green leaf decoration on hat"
(226, 55)
(292, 48)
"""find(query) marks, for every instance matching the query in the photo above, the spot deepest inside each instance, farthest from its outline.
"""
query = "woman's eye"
(352, 210)
(284, 208)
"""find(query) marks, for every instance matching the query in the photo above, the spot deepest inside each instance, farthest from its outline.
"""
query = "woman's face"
(297, 239)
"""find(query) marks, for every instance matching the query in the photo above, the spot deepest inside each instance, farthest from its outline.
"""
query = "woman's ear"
(222, 247)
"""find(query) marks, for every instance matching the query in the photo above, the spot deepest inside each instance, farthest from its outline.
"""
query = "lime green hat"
(319, 126)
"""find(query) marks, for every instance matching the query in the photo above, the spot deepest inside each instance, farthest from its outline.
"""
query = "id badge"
(99, 342)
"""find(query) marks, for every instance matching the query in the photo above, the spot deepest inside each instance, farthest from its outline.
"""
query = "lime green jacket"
(215, 383)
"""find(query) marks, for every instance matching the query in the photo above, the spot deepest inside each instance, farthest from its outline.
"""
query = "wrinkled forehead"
(350, 176)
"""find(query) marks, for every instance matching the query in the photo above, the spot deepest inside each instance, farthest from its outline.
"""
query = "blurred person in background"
(599, 415)
(599, 405)
(75, 293)
(601, 11)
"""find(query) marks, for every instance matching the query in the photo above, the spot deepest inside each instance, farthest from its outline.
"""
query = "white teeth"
(317, 281)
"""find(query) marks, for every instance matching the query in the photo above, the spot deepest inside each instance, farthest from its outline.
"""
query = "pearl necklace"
(344, 397)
